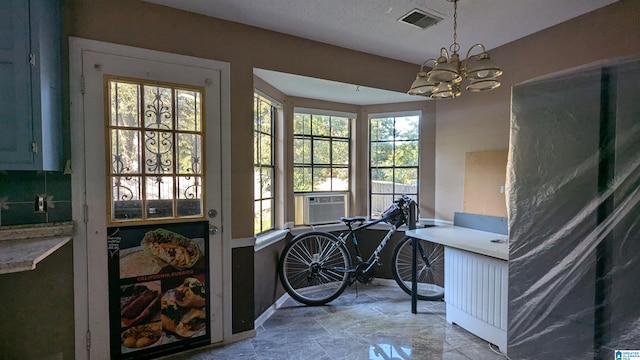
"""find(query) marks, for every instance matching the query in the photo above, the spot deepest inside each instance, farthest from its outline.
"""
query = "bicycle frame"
(376, 253)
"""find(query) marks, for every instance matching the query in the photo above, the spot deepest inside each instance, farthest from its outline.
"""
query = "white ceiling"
(371, 26)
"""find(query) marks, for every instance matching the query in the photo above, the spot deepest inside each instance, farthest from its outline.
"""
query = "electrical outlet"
(40, 205)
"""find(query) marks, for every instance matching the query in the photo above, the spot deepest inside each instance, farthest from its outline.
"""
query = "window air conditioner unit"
(323, 208)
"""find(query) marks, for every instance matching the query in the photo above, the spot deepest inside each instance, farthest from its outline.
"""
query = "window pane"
(256, 183)
(267, 215)
(125, 151)
(256, 147)
(340, 180)
(380, 203)
(340, 152)
(406, 181)
(382, 176)
(158, 152)
(302, 124)
(382, 154)
(263, 218)
(188, 110)
(264, 183)
(189, 196)
(257, 220)
(125, 104)
(126, 188)
(340, 127)
(158, 108)
(406, 153)
(407, 128)
(159, 187)
(321, 179)
(189, 187)
(266, 121)
(302, 179)
(302, 151)
(266, 157)
(320, 125)
(159, 194)
(382, 129)
(126, 198)
(321, 152)
(189, 152)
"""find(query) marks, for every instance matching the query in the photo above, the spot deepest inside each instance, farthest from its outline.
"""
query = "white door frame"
(78, 186)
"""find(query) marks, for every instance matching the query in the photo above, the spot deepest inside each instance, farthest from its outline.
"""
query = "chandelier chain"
(455, 47)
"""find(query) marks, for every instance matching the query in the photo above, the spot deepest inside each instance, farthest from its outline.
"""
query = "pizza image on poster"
(158, 286)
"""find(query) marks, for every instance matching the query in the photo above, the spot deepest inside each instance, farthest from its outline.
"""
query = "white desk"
(475, 279)
(465, 239)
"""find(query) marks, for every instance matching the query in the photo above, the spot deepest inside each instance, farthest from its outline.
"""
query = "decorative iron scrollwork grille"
(156, 145)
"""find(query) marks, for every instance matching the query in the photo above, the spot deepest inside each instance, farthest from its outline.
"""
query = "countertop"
(23, 247)
(465, 239)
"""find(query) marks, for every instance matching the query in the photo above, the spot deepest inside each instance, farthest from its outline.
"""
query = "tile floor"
(376, 323)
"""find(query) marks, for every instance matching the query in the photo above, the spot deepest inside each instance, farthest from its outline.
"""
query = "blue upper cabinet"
(30, 84)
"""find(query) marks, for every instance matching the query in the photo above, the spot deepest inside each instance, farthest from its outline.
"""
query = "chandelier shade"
(445, 70)
(446, 91)
(483, 85)
(480, 66)
(443, 80)
(422, 85)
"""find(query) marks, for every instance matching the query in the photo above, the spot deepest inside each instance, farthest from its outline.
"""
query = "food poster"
(158, 286)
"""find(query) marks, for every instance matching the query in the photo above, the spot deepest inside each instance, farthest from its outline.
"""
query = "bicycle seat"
(349, 220)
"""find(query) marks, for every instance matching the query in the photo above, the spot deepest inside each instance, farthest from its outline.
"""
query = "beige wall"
(476, 122)
(135, 23)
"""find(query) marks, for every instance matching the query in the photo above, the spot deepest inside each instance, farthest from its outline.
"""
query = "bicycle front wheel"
(429, 270)
(314, 268)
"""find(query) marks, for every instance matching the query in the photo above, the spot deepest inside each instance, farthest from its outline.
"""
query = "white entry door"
(151, 157)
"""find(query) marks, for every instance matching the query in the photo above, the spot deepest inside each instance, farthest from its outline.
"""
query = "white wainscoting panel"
(476, 294)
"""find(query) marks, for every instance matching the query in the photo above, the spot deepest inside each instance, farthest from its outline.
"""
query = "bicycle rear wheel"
(314, 268)
(430, 268)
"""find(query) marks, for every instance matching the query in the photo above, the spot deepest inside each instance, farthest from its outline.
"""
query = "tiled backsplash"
(19, 191)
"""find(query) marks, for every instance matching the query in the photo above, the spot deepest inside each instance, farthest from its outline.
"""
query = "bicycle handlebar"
(404, 200)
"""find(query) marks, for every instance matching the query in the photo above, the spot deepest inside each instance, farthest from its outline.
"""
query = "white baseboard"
(270, 311)
(241, 336)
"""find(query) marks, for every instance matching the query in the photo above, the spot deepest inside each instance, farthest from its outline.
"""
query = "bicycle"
(316, 267)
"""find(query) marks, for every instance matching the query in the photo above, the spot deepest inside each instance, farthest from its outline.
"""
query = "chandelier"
(445, 78)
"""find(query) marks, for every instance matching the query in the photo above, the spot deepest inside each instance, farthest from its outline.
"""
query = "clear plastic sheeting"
(573, 182)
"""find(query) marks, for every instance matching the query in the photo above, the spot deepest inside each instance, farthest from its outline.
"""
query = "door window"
(155, 145)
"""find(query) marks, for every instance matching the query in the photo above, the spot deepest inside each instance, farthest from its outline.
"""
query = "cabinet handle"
(34, 147)
(32, 60)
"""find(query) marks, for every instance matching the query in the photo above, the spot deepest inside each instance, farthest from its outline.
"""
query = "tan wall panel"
(485, 175)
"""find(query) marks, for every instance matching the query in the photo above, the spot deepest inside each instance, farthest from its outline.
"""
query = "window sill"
(299, 229)
(269, 238)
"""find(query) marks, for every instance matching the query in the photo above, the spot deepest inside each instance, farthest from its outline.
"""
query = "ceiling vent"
(420, 19)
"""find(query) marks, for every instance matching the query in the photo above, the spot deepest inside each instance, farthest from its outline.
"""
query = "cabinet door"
(16, 127)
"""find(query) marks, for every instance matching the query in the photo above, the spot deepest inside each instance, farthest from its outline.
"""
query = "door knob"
(213, 230)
